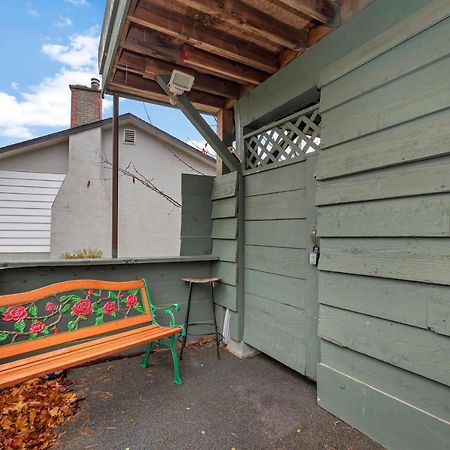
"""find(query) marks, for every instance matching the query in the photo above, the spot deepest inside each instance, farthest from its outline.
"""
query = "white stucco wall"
(81, 214)
(148, 224)
(49, 159)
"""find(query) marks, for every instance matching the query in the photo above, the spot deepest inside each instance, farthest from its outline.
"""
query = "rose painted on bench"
(67, 311)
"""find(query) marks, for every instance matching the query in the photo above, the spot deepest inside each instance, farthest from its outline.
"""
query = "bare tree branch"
(135, 175)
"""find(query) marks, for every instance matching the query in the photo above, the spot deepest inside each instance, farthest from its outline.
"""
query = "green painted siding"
(163, 277)
(383, 197)
(196, 207)
(224, 235)
(296, 84)
(279, 284)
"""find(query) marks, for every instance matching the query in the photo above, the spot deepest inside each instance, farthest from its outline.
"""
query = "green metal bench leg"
(144, 363)
(176, 370)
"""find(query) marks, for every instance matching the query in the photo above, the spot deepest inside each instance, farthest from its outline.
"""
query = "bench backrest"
(69, 311)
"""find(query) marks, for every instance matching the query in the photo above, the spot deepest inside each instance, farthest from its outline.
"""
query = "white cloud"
(80, 52)
(63, 22)
(77, 2)
(31, 11)
(47, 104)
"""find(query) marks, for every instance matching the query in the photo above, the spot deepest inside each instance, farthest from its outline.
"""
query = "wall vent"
(129, 136)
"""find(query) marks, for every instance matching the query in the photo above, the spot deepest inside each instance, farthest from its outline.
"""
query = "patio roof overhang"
(230, 46)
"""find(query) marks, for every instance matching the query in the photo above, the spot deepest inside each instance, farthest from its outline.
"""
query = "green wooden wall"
(383, 197)
(162, 274)
(296, 83)
(278, 203)
(196, 206)
(225, 246)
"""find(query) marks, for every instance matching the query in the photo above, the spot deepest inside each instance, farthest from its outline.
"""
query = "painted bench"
(108, 317)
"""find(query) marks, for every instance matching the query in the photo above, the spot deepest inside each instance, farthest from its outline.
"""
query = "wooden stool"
(219, 337)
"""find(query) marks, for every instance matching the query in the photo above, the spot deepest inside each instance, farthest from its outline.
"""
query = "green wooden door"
(281, 304)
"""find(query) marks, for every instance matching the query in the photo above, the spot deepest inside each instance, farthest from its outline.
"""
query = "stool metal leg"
(186, 321)
(211, 286)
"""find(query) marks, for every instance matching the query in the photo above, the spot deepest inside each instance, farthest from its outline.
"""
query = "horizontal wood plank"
(277, 330)
(281, 261)
(281, 179)
(224, 208)
(7, 225)
(420, 351)
(398, 301)
(427, 216)
(224, 229)
(422, 49)
(373, 412)
(31, 175)
(281, 205)
(25, 248)
(26, 215)
(281, 289)
(28, 190)
(224, 186)
(424, 260)
(226, 295)
(226, 250)
(439, 311)
(226, 271)
(413, 389)
(276, 233)
(416, 140)
(425, 177)
(412, 96)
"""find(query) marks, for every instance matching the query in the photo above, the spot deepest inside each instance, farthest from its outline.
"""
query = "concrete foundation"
(241, 349)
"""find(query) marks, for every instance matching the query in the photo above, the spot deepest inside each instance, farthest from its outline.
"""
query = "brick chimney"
(86, 105)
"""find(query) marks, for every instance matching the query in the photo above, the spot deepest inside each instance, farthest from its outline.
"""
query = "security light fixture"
(180, 82)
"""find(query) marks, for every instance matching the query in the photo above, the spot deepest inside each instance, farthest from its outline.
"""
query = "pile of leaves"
(31, 411)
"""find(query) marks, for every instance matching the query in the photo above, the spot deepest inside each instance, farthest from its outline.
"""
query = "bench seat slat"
(24, 369)
(64, 351)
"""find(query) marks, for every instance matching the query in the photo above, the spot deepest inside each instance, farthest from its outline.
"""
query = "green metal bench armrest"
(169, 310)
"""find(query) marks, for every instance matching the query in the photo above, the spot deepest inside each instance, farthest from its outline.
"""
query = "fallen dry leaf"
(31, 411)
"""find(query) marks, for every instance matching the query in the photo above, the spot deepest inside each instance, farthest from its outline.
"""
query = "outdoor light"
(180, 82)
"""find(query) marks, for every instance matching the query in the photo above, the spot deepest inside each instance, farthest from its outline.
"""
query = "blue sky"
(45, 45)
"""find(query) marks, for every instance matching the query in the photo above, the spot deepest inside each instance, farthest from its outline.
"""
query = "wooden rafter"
(201, 60)
(196, 34)
(229, 46)
(152, 45)
(140, 87)
(150, 67)
(238, 14)
(323, 11)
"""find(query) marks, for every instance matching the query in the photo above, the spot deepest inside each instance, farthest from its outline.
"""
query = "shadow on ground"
(255, 404)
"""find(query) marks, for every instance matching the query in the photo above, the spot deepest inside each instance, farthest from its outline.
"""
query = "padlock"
(314, 256)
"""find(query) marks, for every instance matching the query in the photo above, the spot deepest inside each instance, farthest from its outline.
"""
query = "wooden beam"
(149, 68)
(201, 125)
(225, 131)
(149, 44)
(243, 16)
(204, 83)
(317, 33)
(136, 84)
(201, 60)
(196, 34)
(323, 11)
